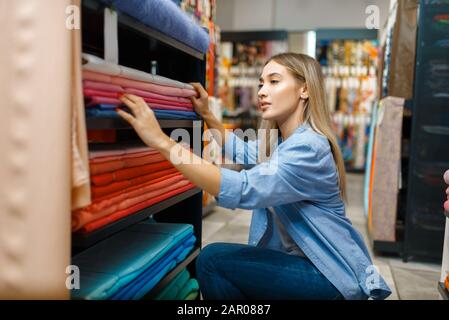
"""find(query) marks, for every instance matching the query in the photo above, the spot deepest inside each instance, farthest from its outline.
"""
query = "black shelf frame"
(133, 24)
(82, 241)
(443, 291)
(118, 123)
(171, 275)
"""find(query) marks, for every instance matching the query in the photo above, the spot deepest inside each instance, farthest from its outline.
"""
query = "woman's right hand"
(201, 101)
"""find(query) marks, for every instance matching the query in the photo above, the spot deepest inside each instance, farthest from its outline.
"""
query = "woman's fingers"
(199, 88)
(131, 104)
(125, 115)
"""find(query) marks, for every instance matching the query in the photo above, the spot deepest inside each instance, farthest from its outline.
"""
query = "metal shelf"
(119, 123)
(169, 277)
(131, 23)
(81, 241)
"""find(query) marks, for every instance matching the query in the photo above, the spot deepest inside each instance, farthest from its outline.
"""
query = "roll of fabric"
(129, 173)
(146, 243)
(102, 191)
(166, 17)
(97, 224)
(125, 200)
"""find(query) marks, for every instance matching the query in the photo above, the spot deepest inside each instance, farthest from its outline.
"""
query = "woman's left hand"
(143, 120)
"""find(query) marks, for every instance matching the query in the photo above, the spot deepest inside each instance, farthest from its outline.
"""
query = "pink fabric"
(88, 84)
(99, 93)
(164, 90)
(125, 200)
(94, 100)
(95, 76)
(148, 94)
(94, 225)
(446, 177)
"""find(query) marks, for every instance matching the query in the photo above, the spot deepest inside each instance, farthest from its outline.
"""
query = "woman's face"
(279, 92)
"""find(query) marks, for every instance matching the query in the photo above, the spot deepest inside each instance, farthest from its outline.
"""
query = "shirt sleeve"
(239, 151)
(294, 173)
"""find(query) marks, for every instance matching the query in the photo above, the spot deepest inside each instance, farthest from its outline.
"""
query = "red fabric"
(125, 200)
(129, 173)
(110, 166)
(99, 93)
(102, 159)
(94, 225)
(116, 150)
(102, 191)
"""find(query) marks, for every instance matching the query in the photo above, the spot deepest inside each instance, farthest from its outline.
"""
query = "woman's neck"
(290, 124)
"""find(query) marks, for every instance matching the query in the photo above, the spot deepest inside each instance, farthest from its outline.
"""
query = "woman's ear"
(304, 94)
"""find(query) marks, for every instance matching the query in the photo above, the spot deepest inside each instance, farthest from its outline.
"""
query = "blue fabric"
(104, 112)
(228, 271)
(152, 275)
(174, 287)
(104, 269)
(168, 18)
(300, 182)
(368, 161)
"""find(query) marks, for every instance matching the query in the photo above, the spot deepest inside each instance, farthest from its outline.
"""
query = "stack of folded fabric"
(129, 264)
(103, 81)
(125, 181)
(182, 287)
(446, 179)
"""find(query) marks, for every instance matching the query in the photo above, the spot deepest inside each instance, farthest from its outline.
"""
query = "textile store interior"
(87, 184)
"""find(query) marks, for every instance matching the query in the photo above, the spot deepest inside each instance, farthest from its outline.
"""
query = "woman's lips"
(264, 106)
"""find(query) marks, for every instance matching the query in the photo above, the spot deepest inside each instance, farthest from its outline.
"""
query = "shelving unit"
(139, 45)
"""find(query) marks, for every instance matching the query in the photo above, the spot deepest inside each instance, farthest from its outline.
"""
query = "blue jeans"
(227, 271)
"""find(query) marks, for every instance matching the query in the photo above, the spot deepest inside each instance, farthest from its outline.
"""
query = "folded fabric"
(148, 94)
(95, 85)
(108, 104)
(129, 173)
(189, 287)
(96, 76)
(126, 200)
(99, 192)
(192, 296)
(446, 177)
(172, 289)
(160, 114)
(144, 282)
(119, 150)
(94, 225)
(166, 17)
(156, 88)
(104, 269)
(96, 64)
(125, 156)
(110, 166)
(94, 96)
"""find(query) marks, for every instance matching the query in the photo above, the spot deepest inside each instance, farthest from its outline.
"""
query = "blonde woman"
(301, 245)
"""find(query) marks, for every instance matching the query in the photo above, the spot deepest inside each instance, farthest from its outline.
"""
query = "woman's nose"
(262, 92)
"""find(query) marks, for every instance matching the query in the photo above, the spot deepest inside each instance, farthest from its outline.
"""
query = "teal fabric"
(172, 289)
(114, 262)
(190, 286)
(368, 161)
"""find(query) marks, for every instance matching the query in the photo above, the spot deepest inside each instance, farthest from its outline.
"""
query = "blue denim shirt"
(303, 190)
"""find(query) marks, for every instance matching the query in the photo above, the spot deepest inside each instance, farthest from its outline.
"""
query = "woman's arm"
(198, 171)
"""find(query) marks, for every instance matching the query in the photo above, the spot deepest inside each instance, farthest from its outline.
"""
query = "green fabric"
(172, 289)
(189, 287)
(192, 296)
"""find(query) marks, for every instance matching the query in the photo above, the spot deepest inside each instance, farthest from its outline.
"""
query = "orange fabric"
(102, 191)
(137, 186)
(124, 200)
(100, 168)
(129, 173)
(94, 225)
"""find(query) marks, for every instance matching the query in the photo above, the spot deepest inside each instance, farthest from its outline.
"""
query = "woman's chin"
(267, 115)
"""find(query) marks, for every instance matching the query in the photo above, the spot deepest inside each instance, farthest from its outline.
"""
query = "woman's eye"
(274, 81)
(260, 86)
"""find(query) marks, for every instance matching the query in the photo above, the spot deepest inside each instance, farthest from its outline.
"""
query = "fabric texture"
(166, 17)
(145, 243)
(160, 114)
(172, 289)
(103, 86)
(301, 183)
(94, 225)
(105, 167)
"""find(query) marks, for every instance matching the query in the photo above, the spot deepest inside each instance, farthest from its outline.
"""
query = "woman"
(301, 245)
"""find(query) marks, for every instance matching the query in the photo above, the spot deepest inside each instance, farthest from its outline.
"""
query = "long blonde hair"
(316, 113)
